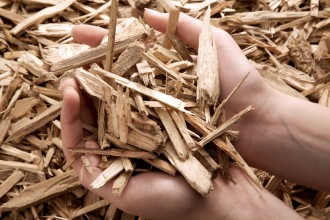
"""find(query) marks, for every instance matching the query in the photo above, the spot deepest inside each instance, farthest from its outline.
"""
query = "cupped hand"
(158, 195)
(153, 195)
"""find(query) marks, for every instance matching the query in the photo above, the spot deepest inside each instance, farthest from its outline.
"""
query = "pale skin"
(283, 135)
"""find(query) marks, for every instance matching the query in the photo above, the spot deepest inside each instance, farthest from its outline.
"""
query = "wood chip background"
(288, 41)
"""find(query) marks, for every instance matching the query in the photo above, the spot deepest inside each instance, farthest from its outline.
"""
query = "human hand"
(158, 195)
(283, 135)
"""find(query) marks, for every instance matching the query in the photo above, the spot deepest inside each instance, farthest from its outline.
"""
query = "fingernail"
(67, 89)
(62, 80)
(151, 10)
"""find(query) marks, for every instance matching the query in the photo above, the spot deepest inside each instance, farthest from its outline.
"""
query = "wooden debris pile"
(156, 108)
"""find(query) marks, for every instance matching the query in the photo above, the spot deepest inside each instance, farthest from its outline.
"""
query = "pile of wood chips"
(157, 109)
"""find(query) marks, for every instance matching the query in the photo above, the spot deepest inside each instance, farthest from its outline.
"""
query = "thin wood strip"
(111, 35)
(115, 152)
(10, 182)
(224, 127)
(166, 99)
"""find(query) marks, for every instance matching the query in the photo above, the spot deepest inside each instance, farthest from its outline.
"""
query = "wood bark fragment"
(171, 26)
(181, 148)
(128, 58)
(89, 208)
(4, 127)
(37, 193)
(10, 182)
(180, 123)
(40, 16)
(162, 165)
(116, 153)
(35, 123)
(191, 169)
(113, 170)
(111, 35)
(167, 100)
(208, 83)
(222, 128)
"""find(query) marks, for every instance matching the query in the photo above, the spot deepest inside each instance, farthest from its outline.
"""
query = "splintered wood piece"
(14, 17)
(53, 29)
(17, 54)
(206, 160)
(115, 141)
(127, 164)
(36, 142)
(22, 107)
(324, 99)
(191, 169)
(15, 97)
(101, 124)
(108, 112)
(49, 156)
(13, 151)
(314, 6)
(220, 108)
(144, 70)
(40, 16)
(89, 208)
(111, 35)
(205, 129)
(4, 127)
(165, 55)
(13, 86)
(162, 165)
(10, 182)
(120, 108)
(321, 199)
(109, 173)
(114, 117)
(33, 64)
(89, 56)
(180, 146)
(87, 164)
(120, 183)
(244, 166)
(180, 47)
(143, 141)
(33, 124)
(166, 4)
(166, 99)
(92, 84)
(19, 165)
(301, 53)
(43, 191)
(208, 83)
(140, 105)
(128, 58)
(171, 26)
(47, 91)
(180, 123)
(113, 213)
(115, 152)
(152, 60)
(224, 127)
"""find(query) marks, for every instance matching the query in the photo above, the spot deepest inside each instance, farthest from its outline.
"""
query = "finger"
(88, 34)
(71, 125)
(232, 61)
(86, 114)
(187, 29)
